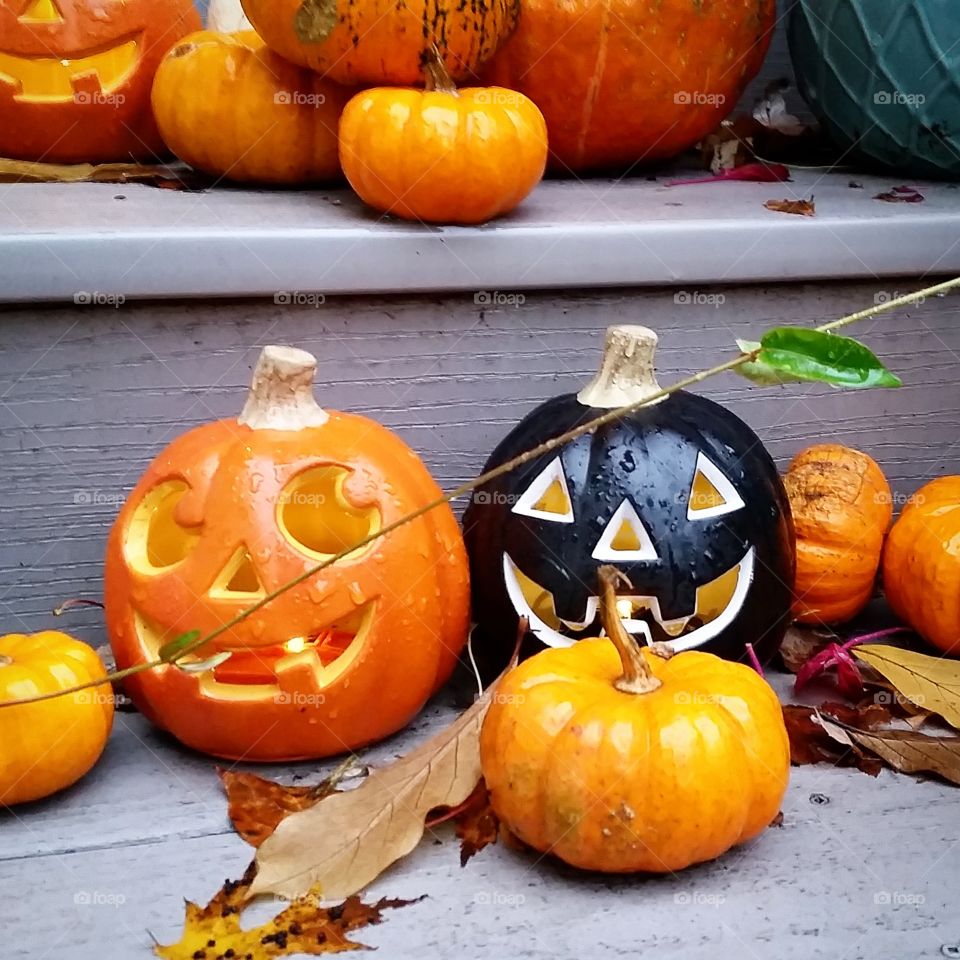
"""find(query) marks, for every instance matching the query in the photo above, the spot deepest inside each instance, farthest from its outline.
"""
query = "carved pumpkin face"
(680, 496)
(230, 512)
(75, 76)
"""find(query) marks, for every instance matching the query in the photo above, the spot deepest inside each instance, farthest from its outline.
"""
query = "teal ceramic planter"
(883, 78)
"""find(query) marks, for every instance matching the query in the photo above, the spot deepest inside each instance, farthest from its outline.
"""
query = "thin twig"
(609, 417)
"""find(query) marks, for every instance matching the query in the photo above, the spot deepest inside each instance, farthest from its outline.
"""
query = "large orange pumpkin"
(235, 509)
(612, 758)
(228, 105)
(633, 82)
(75, 76)
(841, 505)
(383, 41)
(921, 564)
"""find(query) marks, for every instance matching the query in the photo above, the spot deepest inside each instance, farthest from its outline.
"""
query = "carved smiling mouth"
(299, 666)
(56, 80)
(718, 603)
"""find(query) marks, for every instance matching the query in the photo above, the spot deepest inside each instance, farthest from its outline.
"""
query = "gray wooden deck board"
(148, 827)
(60, 241)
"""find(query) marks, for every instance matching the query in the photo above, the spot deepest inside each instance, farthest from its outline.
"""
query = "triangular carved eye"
(711, 493)
(547, 498)
(41, 11)
(625, 538)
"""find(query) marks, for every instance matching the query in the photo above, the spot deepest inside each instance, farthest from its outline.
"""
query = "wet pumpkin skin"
(842, 506)
(623, 782)
(442, 156)
(383, 41)
(607, 74)
(260, 118)
(921, 564)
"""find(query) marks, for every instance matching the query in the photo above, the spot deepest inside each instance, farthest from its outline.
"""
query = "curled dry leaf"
(477, 825)
(810, 743)
(905, 750)
(931, 683)
(304, 927)
(347, 840)
(802, 208)
(256, 805)
(902, 194)
(171, 177)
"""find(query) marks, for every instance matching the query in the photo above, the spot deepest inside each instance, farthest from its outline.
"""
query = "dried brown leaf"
(904, 750)
(476, 824)
(347, 840)
(256, 805)
(802, 208)
(810, 743)
(931, 683)
(157, 175)
(304, 927)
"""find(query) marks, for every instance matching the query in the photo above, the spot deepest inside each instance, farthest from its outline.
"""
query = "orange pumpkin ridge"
(615, 759)
(261, 501)
(921, 564)
(842, 506)
(76, 75)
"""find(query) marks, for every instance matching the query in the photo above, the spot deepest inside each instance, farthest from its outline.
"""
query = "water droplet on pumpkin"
(256, 482)
(356, 593)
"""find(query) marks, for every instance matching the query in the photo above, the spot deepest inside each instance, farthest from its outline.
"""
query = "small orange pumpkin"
(921, 564)
(226, 105)
(442, 155)
(841, 505)
(235, 509)
(47, 746)
(383, 41)
(615, 759)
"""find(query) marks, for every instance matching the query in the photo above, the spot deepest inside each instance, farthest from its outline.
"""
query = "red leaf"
(755, 172)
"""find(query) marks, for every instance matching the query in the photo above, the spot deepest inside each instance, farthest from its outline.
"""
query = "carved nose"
(625, 539)
(41, 11)
(239, 579)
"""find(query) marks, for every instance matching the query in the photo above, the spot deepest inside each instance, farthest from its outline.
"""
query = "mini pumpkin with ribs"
(234, 510)
(622, 759)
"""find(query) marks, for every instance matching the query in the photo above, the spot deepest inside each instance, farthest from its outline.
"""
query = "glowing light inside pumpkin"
(624, 609)
(295, 645)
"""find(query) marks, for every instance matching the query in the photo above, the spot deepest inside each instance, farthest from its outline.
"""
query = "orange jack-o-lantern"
(233, 510)
(75, 76)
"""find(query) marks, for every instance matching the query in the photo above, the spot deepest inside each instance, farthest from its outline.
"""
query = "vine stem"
(609, 417)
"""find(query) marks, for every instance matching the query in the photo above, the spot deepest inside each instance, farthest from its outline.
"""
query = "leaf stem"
(591, 425)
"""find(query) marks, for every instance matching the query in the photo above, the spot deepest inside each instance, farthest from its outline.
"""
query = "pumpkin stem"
(281, 394)
(435, 73)
(626, 374)
(637, 676)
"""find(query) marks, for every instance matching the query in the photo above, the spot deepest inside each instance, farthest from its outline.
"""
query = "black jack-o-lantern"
(681, 496)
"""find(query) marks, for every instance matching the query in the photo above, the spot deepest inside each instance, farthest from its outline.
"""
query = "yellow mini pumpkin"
(615, 759)
(49, 745)
(228, 106)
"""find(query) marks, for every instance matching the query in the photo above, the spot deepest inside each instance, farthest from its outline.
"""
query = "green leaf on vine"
(798, 354)
(169, 651)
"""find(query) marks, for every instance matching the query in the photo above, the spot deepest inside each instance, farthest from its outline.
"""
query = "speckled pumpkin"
(632, 82)
(614, 759)
(227, 105)
(921, 564)
(383, 41)
(841, 505)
